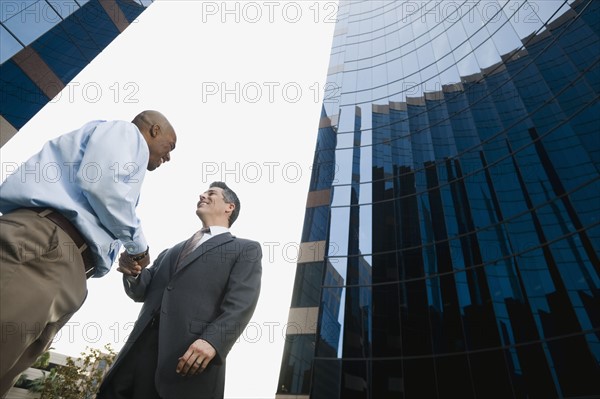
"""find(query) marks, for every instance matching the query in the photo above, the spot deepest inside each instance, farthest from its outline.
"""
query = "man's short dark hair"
(230, 198)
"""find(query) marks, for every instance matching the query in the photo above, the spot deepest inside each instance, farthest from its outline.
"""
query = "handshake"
(132, 265)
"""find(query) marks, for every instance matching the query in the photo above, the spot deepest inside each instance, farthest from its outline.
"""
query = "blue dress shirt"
(93, 177)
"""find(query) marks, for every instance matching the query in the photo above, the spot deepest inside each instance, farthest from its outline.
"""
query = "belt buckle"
(89, 272)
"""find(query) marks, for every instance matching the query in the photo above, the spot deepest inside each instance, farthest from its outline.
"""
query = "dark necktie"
(192, 244)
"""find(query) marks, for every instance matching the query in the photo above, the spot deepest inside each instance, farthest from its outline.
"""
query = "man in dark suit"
(198, 297)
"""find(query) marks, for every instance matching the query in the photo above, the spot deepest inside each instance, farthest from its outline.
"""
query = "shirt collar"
(216, 230)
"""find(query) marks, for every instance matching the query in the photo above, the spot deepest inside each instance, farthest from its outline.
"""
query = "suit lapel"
(175, 254)
(209, 245)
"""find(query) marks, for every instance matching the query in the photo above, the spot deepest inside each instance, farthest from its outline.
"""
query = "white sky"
(260, 143)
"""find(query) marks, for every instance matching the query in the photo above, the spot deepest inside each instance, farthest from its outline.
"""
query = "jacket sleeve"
(136, 288)
(239, 301)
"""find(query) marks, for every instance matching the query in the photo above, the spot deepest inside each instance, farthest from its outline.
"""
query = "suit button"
(169, 287)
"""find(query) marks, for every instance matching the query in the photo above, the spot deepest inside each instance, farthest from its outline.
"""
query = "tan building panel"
(420, 101)
(318, 198)
(335, 69)
(116, 15)
(7, 131)
(380, 109)
(313, 251)
(398, 105)
(302, 321)
(37, 70)
(453, 87)
(434, 96)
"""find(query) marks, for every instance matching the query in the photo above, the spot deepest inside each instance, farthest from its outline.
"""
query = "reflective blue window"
(64, 8)
(60, 53)
(9, 46)
(66, 34)
(465, 215)
(9, 9)
(32, 21)
(296, 368)
(307, 290)
(131, 9)
(21, 97)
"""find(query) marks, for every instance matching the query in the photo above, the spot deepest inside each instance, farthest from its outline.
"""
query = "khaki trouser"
(42, 284)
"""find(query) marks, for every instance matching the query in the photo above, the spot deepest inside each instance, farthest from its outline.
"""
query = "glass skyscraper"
(452, 233)
(45, 43)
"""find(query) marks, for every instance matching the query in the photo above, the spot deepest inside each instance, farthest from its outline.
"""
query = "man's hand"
(144, 260)
(128, 266)
(196, 358)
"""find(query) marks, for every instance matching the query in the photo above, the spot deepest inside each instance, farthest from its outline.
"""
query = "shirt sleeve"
(110, 176)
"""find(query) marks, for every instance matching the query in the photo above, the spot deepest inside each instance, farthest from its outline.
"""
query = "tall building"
(45, 43)
(452, 233)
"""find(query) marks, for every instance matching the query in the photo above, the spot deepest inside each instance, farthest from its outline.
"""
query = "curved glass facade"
(456, 194)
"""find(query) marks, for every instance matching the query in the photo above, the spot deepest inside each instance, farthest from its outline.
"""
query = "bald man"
(65, 213)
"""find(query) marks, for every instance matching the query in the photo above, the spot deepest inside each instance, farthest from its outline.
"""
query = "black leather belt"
(58, 219)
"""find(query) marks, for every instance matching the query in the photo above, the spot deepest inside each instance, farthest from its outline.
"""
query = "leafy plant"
(77, 379)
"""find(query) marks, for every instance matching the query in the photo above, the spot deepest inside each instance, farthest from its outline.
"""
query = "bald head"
(159, 134)
(146, 119)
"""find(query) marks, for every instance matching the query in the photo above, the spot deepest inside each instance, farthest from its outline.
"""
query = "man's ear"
(154, 130)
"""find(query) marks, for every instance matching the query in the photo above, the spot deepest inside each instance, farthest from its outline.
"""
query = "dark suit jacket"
(212, 296)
